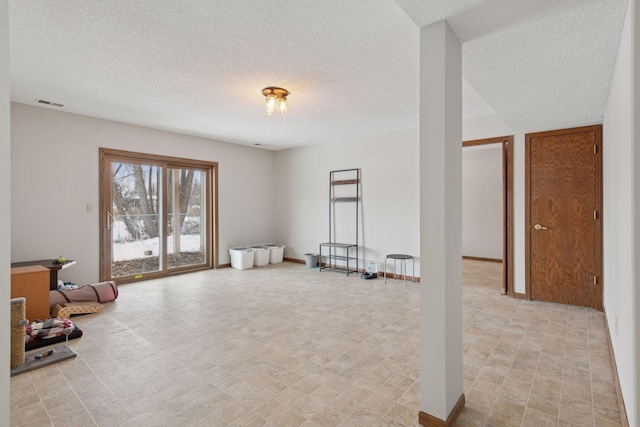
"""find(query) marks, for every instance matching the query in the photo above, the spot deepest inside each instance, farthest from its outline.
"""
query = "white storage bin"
(260, 255)
(276, 252)
(241, 258)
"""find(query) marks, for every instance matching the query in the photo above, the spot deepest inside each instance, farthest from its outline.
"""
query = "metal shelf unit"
(334, 252)
(332, 256)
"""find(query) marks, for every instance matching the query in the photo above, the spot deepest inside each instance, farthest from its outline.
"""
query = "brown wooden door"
(564, 208)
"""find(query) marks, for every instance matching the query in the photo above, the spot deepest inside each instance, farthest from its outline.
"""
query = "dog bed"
(32, 342)
(99, 292)
(66, 309)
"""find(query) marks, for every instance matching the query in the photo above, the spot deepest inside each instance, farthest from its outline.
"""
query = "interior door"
(564, 208)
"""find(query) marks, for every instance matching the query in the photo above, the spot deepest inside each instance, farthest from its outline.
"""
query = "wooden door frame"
(507, 205)
(212, 260)
(599, 204)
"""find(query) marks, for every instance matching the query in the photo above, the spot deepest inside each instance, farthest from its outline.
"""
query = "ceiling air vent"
(45, 102)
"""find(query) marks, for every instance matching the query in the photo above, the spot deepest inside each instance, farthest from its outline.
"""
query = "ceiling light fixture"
(276, 100)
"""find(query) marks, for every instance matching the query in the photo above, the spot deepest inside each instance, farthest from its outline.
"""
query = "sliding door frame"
(106, 156)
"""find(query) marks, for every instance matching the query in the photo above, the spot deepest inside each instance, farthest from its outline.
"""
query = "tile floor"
(286, 346)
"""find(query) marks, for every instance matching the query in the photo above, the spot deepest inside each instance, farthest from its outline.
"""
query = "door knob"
(538, 227)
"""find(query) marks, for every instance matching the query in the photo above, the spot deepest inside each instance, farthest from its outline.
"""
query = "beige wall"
(390, 207)
(390, 189)
(482, 211)
(55, 175)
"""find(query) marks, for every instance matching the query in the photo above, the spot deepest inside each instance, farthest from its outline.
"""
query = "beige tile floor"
(286, 346)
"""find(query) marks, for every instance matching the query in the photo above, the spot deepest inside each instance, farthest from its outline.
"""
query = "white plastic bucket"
(260, 255)
(241, 258)
(276, 252)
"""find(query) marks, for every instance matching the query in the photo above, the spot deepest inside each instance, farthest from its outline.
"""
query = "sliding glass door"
(186, 217)
(157, 215)
(134, 220)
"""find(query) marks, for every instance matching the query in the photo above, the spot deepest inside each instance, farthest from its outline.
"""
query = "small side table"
(403, 263)
(53, 269)
(32, 283)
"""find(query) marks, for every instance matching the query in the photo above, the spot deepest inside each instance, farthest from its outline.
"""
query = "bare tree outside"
(184, 217)
(187, 186)
(137, 192)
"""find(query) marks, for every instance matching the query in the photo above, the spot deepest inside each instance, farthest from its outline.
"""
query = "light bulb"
(270, 103)
(282, 105)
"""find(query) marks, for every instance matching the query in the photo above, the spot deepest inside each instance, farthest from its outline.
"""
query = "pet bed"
(37, 343)
(99, 292)
(67, 309)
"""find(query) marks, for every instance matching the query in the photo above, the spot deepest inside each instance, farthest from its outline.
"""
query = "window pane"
(135, 222)
(186, 205)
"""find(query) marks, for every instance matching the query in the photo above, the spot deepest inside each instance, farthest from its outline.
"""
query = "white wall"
(390, 187)
(482, 211)
(55, 175)
(5, 213)
(302, 175)
(621, 219)
(633, 400)
(483, 127)
(518, 213)
(390, 199)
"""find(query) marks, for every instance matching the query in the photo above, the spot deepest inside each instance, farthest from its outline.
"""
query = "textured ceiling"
(539, 64)
(352, 67)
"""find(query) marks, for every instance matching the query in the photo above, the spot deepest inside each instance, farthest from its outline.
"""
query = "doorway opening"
(505, 145)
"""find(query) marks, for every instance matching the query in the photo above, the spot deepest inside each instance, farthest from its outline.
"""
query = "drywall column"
(5, 213)
(633, 407)
(440, 224)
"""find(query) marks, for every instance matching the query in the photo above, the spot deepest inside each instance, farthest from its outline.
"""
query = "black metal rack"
(346, 253)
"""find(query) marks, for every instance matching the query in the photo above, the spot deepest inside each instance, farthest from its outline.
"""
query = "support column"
(633, 407)
(441, 397)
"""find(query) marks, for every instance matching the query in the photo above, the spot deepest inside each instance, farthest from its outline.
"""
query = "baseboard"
(477, 258)
(616, 380)
(427, 420)
(224, 265)
(361, 270)
(398, 276)
(300, 261)
(518, 295)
